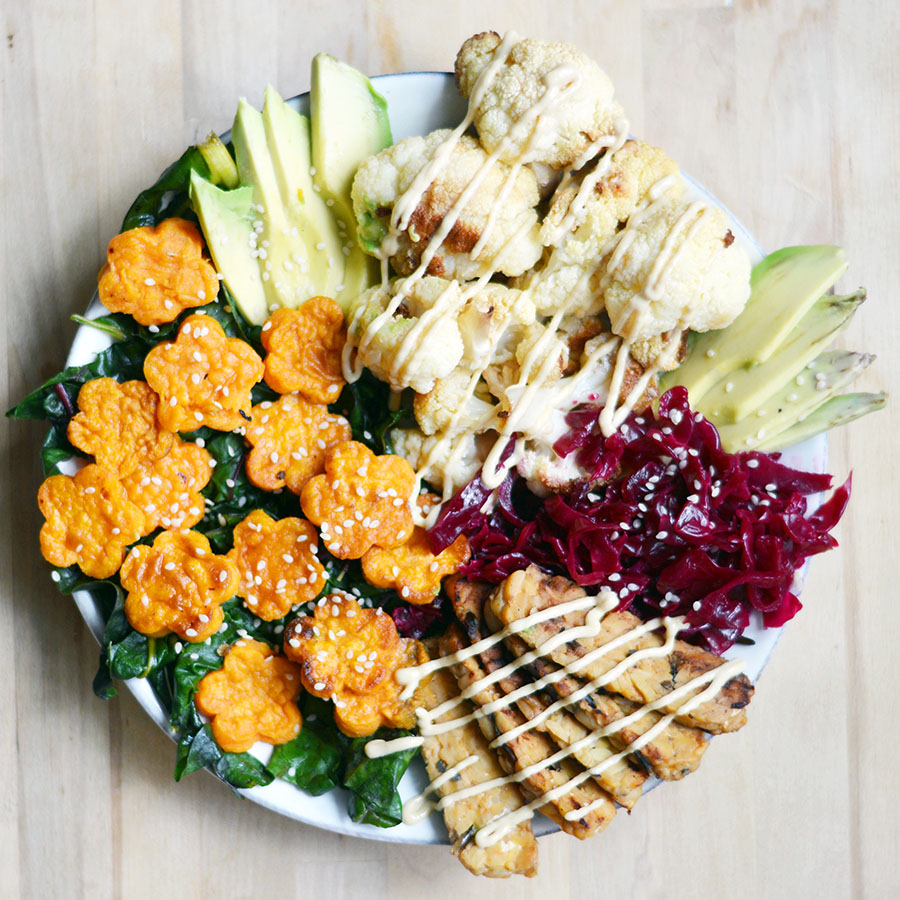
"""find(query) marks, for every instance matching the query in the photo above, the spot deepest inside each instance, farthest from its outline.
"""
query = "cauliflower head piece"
(457, 462)
(705, 286)
(632, 171)
(382, 178)
(450, 397)
(584, 116)
(570, 273)
(438, 349)
(491, 324)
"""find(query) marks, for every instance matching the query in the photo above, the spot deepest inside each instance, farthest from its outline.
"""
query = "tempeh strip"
(671, 755)
(649, 679)
(529, 749)
(517, 853)
(620, 780)
(623, 783)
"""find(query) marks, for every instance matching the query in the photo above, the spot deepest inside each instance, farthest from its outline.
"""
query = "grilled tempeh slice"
(530, 748)
(675, 752)
(516, 853)
(647, 680)
(621, 781)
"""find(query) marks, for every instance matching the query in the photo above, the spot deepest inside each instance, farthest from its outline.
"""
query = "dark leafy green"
(366, 404)
(314, 759)
(373, 782)
(199, 750)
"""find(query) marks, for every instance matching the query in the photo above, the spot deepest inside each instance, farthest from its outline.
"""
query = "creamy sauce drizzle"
(597, 607)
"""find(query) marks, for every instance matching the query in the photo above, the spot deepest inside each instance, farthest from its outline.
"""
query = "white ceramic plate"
(418, 102)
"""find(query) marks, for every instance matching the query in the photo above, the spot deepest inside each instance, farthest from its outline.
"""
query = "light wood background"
(788, 111)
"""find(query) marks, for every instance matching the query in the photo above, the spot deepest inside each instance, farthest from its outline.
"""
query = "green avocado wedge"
(784, 286)
(349, 123)
(741, 392)
(821, 380)
(837, 411)
(226, 218)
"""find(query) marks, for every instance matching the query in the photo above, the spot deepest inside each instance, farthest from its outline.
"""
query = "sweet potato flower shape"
(117, 424)
(253, 697)
(90, 521)
(361, 501)
(411, 569)
(277, 563)
(155, 273)
(203, 377)
(290, 438)
(303, 349)
(177, 585)
(351, 655)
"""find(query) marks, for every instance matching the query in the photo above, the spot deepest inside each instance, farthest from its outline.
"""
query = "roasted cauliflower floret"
(438, 349)
(704, 286)
(457, 462)
(491, 324)
(579, 118)
(543, 352)
(570, 273)
(435, 410)
(381, 179)
(633, 170)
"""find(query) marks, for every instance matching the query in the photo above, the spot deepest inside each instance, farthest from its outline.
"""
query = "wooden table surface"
(788, 111)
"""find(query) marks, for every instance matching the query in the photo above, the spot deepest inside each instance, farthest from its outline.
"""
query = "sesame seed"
(149, 282)
(615, 576)
(752, 463)
(696, 605)
(190, 632)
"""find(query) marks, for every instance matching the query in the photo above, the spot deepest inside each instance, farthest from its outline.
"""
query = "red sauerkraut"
(668, 519)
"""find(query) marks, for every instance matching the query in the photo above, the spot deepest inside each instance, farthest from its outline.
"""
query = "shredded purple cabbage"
(413, 621)
(671, 521)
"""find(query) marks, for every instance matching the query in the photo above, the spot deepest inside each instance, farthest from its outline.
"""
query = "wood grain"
(788, 111)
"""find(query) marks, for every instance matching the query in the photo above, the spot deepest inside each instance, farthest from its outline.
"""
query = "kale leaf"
(314, 759)
(372, 783)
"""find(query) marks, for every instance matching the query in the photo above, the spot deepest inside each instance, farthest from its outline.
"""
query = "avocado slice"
(783, 288)
(741, 392)
(832, 413)
(349, 123)
(226, 219)
(821, 380)
(284, 258)
(288, 141)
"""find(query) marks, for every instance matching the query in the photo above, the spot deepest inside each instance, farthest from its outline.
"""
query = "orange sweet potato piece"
(290, 438)
(253, 697)
(277, 563)
(177, 585)
(351, 655)
(203, 377)
(303, 349)
(168, 489)
(155, 273)
(411, 569)
(90, 521)
(362, 500)
(117, 424)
